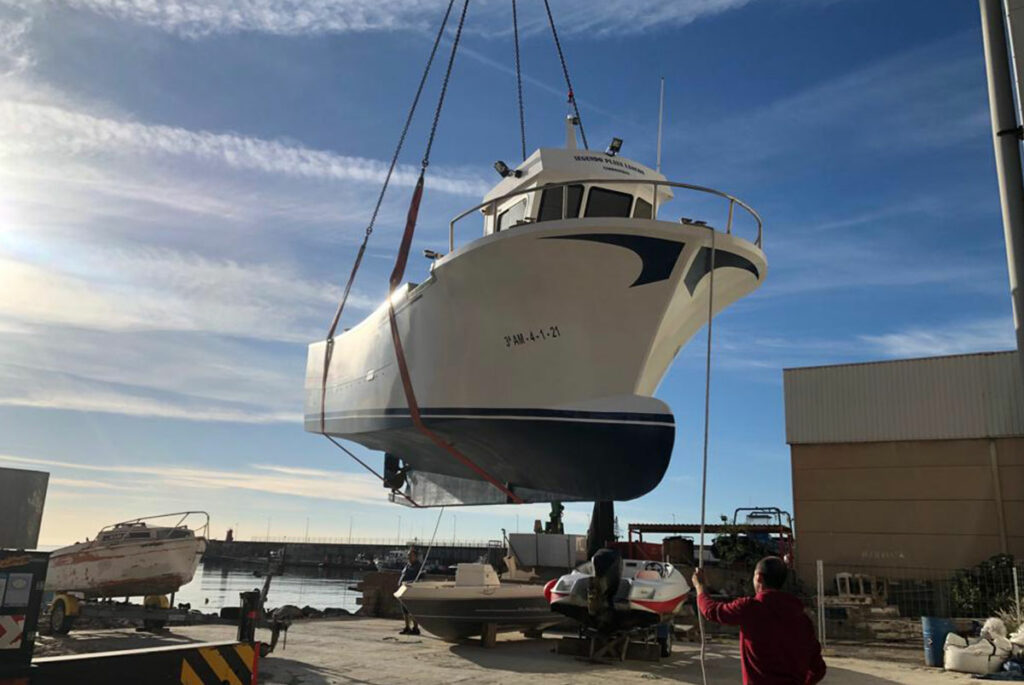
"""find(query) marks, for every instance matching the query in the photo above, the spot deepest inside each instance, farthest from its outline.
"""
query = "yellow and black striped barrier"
(235, 664)
(202, 663)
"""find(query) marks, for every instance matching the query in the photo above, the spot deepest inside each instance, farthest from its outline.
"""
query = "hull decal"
(699, 269)
(658, 255)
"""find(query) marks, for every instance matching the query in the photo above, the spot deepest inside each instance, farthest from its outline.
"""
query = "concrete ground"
(357, 650)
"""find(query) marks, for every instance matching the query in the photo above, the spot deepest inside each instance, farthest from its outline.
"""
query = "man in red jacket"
(777, 642)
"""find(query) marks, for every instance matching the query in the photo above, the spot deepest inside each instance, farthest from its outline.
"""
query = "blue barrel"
(935, 631)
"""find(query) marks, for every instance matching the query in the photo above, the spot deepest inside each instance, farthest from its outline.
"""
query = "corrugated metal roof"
(962, 396)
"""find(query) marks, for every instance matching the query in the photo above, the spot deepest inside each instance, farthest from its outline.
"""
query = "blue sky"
(183, 185)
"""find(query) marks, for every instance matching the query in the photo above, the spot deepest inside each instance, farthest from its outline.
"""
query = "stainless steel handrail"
(493, 203)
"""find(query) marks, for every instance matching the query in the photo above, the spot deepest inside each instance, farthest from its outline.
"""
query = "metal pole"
(821, 601)
(661, 110)
(1016, 592)
(1006, 144)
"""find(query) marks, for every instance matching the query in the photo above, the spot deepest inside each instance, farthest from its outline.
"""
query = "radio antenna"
(661, 110)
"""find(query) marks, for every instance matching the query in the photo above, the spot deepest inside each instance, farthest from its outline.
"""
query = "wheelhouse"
(544, 188)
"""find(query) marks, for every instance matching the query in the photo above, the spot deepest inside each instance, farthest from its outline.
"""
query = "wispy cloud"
(198, 18)
(164, 290)
(980, 335)
(15, 53)
(35, 129)
(338, 486)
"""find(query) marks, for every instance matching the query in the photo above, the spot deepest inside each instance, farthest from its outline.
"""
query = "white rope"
(704, 468)
(433, 537)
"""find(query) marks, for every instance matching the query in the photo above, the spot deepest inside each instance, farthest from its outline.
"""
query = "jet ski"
(609, 594)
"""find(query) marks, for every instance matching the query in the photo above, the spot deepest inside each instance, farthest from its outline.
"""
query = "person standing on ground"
(409, 574)
(777, 641)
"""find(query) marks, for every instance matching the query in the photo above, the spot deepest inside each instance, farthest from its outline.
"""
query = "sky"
(184, 185)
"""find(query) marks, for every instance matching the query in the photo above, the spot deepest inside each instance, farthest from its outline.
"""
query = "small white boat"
(131, 558)
(477, 598)
(611, 594)
(536, 349)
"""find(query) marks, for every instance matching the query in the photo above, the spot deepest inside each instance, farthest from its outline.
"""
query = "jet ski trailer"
(536, 349)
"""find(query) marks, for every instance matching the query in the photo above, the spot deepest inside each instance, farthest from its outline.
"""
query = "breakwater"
(342, 554)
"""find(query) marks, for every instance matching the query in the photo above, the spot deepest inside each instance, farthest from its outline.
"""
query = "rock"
(331, 612)
(310, 612)
(287, 613)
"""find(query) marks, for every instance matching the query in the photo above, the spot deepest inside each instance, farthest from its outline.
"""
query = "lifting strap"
(329, 346)
(519, 80)
(565, 72)
(398, 273)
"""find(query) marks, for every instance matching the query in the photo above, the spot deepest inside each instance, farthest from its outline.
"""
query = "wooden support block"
(489, 636)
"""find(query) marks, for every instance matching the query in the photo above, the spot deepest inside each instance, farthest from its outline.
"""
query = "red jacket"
(777, 642)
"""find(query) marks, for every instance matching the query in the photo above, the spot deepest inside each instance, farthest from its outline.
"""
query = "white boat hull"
(148, 567)
(535, 351)
(455, 613)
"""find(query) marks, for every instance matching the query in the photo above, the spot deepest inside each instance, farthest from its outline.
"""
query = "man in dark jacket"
(777, 641)
(409, 574)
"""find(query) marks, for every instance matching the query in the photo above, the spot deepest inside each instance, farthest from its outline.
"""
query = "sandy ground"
(371, 651)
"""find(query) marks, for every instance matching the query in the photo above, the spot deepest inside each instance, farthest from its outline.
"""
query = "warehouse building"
(909, 464)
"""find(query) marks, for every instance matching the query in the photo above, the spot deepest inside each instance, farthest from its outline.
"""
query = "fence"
(384, 541)
(854, 603)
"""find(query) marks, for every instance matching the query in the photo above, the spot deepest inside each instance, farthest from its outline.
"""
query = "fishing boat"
(609, 594)
(536, 349)
(464, 608)
(131, 558)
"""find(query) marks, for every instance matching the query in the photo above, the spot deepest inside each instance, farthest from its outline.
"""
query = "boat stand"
(636, 645)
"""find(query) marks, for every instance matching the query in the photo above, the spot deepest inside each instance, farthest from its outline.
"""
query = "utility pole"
(1006, 142)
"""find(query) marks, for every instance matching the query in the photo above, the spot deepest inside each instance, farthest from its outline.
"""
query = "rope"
(444, 86)
(519, 80)
(704, 469)
(426, 556)
(368, 468)
(329, 349)
(565, 72)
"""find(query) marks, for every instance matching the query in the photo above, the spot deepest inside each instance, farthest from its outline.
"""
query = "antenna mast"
(661, 110)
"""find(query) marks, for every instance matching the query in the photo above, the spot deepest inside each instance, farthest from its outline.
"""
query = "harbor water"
(217, 585)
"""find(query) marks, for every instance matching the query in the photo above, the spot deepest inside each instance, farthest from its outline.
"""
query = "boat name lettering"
(604, 159)
(542, 333)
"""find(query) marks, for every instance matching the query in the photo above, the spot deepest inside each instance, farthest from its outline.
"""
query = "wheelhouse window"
(138, 535)
(513, 215)
(642, 209)
(551, 203)
(179, 533)
(604, 202)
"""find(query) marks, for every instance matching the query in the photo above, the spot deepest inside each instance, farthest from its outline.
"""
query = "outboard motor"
(604, 585)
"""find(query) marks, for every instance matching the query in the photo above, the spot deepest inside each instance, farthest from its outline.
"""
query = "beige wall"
(911, 504)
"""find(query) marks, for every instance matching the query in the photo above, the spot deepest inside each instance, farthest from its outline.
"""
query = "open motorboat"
(131, 558)
(611, 594)
(460, 609)
(536, 349)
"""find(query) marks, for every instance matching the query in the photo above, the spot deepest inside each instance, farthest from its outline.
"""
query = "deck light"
(614, 147)
(504, 171)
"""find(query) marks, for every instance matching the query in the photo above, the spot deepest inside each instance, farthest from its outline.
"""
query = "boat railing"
(492, 204)
(200, 531)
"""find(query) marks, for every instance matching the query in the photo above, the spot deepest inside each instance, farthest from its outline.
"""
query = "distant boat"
(395, 560)
(536, 349)
(461, 609)
(131, 558)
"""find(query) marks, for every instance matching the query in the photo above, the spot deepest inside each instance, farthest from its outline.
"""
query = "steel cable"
(565, 72)
(519, 80)
(329, 347)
